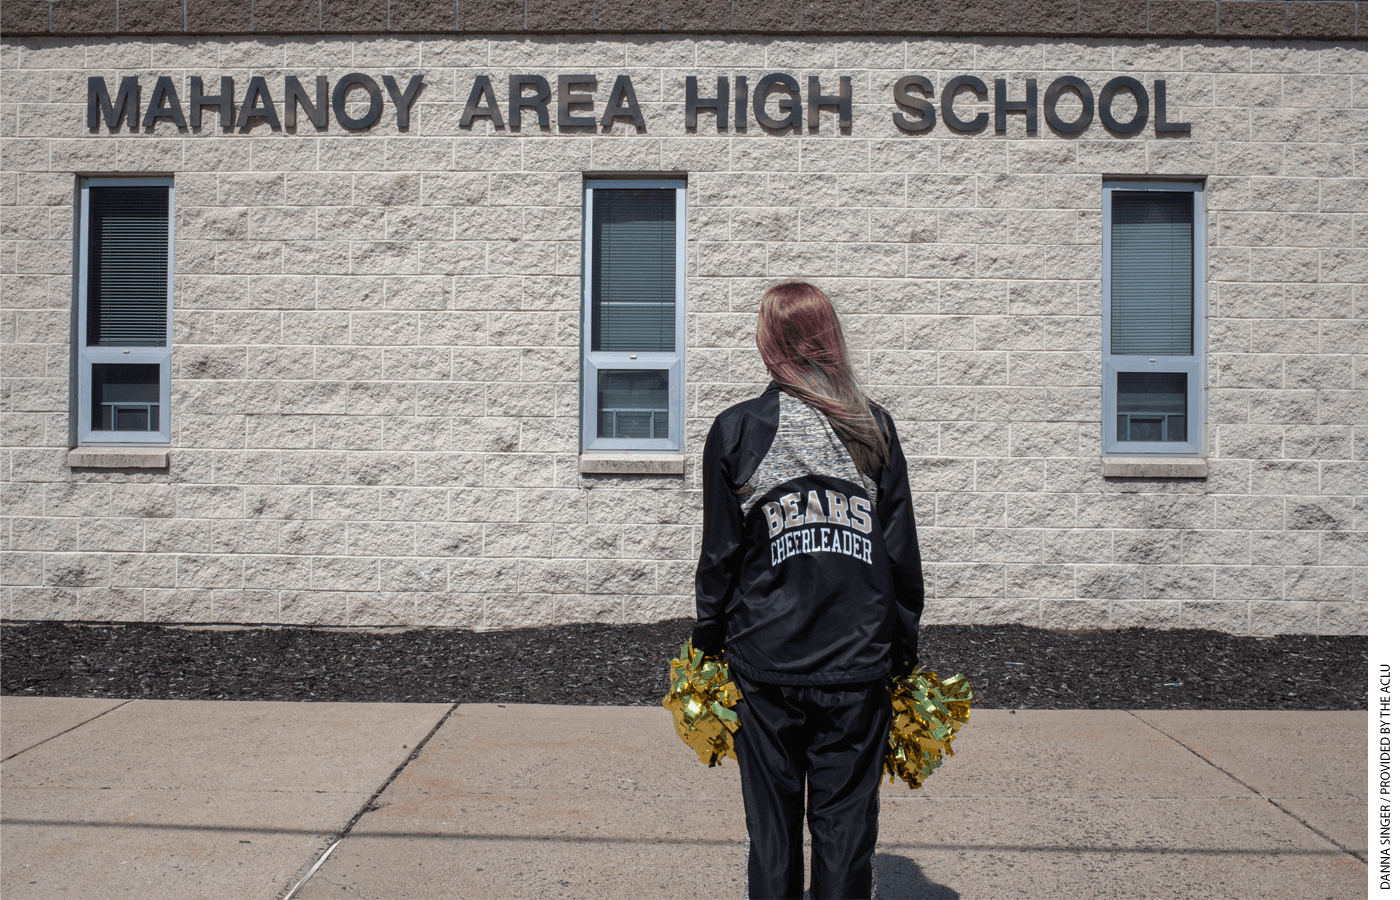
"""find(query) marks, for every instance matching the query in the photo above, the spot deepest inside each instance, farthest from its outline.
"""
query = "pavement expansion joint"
(167, 789)
(159, 826)
(65, 731)
(1133, 798)
(1250, 852)
(1244, 784)
(368, 806)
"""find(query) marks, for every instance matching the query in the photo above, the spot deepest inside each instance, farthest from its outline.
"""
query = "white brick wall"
(376, 337)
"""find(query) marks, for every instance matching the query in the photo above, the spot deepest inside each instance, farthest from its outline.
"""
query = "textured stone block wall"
(376, 336)
(1329, 19)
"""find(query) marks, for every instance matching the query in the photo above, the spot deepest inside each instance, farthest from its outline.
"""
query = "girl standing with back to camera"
(810, 580)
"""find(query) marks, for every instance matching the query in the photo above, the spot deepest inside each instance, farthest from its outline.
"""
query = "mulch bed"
(586, 665)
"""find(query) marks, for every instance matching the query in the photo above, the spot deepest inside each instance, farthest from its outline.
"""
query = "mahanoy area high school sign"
(777, 101)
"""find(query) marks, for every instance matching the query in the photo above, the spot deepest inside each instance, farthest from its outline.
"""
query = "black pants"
(826, 742)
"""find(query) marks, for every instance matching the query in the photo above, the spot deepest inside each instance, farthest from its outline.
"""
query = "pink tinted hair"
(800, 340)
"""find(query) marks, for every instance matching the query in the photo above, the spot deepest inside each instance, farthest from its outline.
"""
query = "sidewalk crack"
(310, 868)
(1249, 787)
(66, 730)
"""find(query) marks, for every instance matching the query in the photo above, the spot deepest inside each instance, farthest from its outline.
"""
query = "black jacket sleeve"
(721, 546)
(895, 510)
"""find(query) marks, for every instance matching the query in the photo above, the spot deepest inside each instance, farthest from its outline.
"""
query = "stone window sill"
(631, 464)
(1154, 467)
(119, 458)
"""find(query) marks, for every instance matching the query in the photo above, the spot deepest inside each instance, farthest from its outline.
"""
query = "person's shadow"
(900, 878)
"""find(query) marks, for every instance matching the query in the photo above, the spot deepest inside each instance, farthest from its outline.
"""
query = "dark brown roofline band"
(1336, 20)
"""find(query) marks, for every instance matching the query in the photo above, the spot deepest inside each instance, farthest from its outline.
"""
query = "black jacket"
(809, 571)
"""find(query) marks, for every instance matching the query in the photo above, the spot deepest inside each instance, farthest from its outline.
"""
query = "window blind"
(128, 264)
(634, 270)
(1151, 273)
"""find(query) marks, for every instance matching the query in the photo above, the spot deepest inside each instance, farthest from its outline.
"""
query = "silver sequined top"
(805, 444)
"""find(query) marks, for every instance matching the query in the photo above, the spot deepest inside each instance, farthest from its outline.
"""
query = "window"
(633, 315)
(125, 300)
(1153, 319)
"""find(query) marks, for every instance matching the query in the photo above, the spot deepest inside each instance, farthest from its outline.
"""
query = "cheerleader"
(810, 581)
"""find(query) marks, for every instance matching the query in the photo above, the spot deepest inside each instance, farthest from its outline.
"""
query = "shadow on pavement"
(900, 878)
(900, 864)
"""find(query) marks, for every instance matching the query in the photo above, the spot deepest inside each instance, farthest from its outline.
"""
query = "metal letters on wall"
(779, 103)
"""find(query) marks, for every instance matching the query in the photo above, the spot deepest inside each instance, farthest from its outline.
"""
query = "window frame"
(86, 357)
(591, 361)
(1193, 366)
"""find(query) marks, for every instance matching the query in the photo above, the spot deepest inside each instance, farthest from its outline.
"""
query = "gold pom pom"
(701, 699)
(927, 716)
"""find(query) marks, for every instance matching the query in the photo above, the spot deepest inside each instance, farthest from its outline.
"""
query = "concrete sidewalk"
(174, 799)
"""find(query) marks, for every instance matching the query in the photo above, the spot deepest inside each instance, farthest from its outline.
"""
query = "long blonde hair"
(800, 340)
